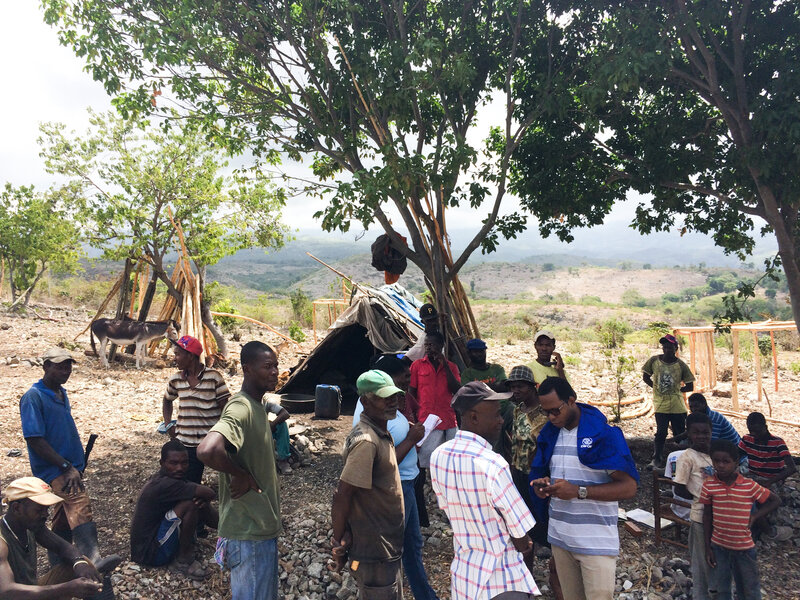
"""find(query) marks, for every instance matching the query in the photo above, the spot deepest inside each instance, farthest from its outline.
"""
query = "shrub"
(301, 306)
(611, 332)
(632, 297)
(296, 332)
(548, 267)
(795, 367)
(227, 324)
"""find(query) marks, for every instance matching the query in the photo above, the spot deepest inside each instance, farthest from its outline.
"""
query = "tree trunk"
(29, 291)
(208, 318)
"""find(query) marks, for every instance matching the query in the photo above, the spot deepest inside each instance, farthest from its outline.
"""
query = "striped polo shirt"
(200, 406)
(732, 506)
(766, 459)
(581, 526)
(721, 428)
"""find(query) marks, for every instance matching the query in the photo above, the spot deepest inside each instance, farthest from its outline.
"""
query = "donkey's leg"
(103, 357)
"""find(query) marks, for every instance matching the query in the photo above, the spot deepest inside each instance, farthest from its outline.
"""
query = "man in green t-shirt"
(240, 447)
(491, 374)
(665, 373)
(548, 362)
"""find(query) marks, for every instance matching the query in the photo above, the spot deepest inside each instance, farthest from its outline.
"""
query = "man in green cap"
(367, 511)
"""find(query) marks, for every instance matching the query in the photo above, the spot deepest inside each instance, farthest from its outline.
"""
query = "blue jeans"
(412, 547)
(254, 569)
(742, 565)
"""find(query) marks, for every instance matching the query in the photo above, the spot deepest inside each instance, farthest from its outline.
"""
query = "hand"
(539, 486)
(557, 361)
(242, 483)
(82, 587)
(710, 558)
(273, 425)
(172, 432)
(562, 489)
(415, 432)
(524, 545)
(86, 571)
(339, 551)
(73, 482)
(200, 502)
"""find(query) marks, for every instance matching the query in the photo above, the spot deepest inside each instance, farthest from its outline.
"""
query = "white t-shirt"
(692, 469)
(669, 471)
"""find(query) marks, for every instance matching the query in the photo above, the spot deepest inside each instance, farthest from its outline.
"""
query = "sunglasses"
(554, 411)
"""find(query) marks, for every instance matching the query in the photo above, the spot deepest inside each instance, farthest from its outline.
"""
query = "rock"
(295, 430)
(657, 573)
(627, 585)
(14, 452)
(12, 360)
(315, 570)
(5, 326)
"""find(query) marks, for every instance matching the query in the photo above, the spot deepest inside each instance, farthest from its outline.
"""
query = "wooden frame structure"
(704, 366)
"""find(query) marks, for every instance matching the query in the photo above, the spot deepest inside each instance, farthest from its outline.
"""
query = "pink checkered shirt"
(473, 486)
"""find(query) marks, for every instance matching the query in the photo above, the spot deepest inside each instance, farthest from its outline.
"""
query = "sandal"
(193, 570)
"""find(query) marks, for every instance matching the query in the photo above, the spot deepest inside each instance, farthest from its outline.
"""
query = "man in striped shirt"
(201, 393)
(728, 498)
(769, 457)
(721, 428)
(582, 466)
(490, 520)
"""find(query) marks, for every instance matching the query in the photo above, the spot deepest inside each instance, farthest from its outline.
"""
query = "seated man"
(166, 515)
(280, 433)
(29, 499)
(769, 457)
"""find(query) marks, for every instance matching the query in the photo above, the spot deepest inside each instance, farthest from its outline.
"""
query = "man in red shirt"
(434, 380)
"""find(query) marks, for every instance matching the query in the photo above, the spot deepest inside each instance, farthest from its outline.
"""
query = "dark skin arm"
(708, 528)
(73, 482)
(622, 487)
(773, 502)
(415, 433)
(340, 511)
(281, 417)
(680, 490)
(213, 451)
(166, 413)
(69, 553)
(80, 587)
(647, 378)
(789, 470)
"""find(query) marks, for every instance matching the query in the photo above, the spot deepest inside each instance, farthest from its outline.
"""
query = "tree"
(36, 233)
(381, 96)
(693, 102)
(127, 177)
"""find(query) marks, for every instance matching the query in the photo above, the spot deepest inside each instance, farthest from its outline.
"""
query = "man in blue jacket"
(581, 468)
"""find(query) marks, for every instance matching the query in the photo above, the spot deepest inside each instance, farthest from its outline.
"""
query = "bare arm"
(415, 433)
(559, 364)
(11, 590)
(42, 447)
(708, 528)
(166, 413)
(205, 493)
(453, 384)
(340, 511)
(680, 490)
(789, 469)
(281, 417)
(648, 379)
(767, 507)
(213, 452)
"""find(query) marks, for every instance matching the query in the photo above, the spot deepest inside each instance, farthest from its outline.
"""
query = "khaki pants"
(379, 580)
(75, 510)
(585, 576)
(59, 574)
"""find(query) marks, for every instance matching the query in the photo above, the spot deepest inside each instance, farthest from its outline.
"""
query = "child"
(691, 470)
(664, 373)
(770, 464)
(728, 498)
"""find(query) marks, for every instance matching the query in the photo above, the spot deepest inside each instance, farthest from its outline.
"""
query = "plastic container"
(328, 402)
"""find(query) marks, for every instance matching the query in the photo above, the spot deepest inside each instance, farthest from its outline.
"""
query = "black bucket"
(328, 403)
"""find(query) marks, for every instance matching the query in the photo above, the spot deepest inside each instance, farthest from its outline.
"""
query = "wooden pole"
(757, 360)
(774, 358)
(272, 329)
(735, 374)
(100, 310)
(314, 319)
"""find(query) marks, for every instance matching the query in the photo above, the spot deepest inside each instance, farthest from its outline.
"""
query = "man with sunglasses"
(581, 468)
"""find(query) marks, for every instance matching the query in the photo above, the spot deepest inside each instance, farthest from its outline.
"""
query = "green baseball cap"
(378, 383)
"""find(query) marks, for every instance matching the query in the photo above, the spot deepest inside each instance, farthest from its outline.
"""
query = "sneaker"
(284, 468)
(781, 533)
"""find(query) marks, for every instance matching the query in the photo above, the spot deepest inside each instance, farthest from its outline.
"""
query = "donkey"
(126, 332)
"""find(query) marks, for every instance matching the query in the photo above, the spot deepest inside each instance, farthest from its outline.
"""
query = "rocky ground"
(123, 406)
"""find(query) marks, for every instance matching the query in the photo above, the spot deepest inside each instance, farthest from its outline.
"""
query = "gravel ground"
(123, 405)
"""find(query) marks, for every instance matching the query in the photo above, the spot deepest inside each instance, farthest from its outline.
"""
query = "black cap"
(427, 310)
(474, 393)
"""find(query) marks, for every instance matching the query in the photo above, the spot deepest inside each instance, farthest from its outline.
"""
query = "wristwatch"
(583, 493)
(64, 466)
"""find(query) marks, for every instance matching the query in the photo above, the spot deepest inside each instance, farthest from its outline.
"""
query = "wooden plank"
(272, 329)
(742, 415)
(757, 361)
(774, 358)
(735, 374)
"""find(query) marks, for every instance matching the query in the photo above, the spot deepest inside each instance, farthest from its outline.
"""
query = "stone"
(315, 570)
(657, 573)
(627, 585)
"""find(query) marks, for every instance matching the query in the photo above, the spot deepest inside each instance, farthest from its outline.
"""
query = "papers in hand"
(430, 424)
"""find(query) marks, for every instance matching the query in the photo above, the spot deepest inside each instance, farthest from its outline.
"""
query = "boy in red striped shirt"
(727, 518)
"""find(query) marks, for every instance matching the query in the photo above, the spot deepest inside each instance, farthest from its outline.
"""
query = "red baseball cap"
(190, 344)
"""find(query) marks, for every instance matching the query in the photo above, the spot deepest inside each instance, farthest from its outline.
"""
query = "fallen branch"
(38, 316)
(272, 329)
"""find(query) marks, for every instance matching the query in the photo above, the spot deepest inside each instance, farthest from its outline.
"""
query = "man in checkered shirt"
(489, 518)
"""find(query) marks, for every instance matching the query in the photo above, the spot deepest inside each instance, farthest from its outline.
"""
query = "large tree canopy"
(36, 233)
(382, 97)
(695, 103)
(126, 178)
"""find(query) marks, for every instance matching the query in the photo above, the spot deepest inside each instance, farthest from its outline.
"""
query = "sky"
(46, 82)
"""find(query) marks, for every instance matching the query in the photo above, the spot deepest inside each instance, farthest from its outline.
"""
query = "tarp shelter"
(378, 321)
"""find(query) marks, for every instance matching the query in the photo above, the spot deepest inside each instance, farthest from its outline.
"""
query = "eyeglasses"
(554, 411)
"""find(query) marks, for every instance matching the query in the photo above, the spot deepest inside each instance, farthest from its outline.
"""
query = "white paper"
(430, 424)
(647, 518)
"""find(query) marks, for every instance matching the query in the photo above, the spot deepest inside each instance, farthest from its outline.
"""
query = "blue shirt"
(721, 428)
(44, 415)
(398, 429)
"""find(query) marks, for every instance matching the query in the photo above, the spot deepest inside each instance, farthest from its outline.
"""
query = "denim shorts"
(168, 537)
